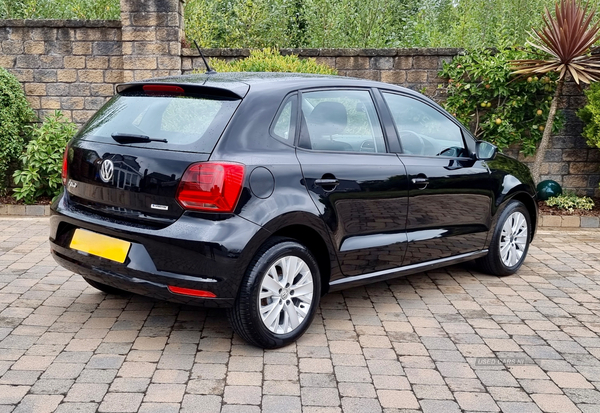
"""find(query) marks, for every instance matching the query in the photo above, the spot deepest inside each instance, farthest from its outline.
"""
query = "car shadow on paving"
(449, 340)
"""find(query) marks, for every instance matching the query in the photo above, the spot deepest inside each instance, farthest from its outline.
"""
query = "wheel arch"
(310, 231)
(531, 206)
(317, 246)
(521, 195)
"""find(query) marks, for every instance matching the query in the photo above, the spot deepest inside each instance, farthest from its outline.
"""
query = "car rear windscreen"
(186, 122)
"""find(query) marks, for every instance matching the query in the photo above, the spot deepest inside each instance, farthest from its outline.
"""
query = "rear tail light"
(211, 186)
(64, 167)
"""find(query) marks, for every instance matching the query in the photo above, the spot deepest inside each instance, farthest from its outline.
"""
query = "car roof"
(239, 83)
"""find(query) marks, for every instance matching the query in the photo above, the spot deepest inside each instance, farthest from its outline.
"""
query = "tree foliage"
(362, 23)
(483, 95)
(60, 9)
(590, 115)
(565, 40)
(15, 118)
(326, 23)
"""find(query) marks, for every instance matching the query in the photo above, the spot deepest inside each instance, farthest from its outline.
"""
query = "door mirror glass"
(486, 151)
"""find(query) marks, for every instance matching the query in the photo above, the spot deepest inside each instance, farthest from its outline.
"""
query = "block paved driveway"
(444, 341)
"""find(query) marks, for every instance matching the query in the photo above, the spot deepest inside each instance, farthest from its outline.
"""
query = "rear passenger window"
(340, 120)
(422, 129)
(283, 126)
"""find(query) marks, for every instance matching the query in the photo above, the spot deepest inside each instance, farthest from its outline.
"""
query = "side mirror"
(485, 151)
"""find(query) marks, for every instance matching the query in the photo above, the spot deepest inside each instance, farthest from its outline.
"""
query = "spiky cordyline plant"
(566, 39)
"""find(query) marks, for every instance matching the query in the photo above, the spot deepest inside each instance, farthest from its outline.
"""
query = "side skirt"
(362, 279)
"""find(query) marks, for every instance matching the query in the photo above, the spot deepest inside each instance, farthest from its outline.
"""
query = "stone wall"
(74, 66)
(67, 65)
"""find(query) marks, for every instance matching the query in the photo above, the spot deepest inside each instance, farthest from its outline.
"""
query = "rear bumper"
(192, 253)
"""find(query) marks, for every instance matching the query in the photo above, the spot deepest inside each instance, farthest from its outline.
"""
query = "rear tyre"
(510, 241)
(279, 295)
(105, 288)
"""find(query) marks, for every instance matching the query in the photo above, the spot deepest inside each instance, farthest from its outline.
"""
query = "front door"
(449, 195)
(359, 187)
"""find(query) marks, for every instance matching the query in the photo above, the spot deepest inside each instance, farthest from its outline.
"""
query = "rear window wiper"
(130, 138)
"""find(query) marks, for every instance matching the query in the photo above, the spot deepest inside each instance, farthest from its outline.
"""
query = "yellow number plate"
(100, 245)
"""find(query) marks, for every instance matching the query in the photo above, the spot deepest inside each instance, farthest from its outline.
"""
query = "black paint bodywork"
(376, 223)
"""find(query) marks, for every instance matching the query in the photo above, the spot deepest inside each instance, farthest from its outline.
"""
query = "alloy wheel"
(286, 294)
(513, 239)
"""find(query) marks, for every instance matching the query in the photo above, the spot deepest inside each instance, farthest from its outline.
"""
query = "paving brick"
(396, 399)
(281, 404)
(554, 403)
(436, 406)
(360, 405)
(165, 393)
(570, 380)
(38, 404)
(210, 404)
(314, 396)
(242, 395)
(121, 402)
(86, 392)
(315, 365)
(352, 374)
(479, 402)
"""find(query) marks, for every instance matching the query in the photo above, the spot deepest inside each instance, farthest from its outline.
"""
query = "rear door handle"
(420, 182)
(327, 182)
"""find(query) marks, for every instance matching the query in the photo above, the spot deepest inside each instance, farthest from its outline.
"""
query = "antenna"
(209, 71)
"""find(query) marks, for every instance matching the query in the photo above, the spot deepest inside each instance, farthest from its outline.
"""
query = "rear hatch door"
(127, 161)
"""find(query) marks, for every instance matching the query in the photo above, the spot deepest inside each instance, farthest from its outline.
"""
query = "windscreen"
(187, 123)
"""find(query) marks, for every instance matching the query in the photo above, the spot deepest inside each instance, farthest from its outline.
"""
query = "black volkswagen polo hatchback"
(259, 193)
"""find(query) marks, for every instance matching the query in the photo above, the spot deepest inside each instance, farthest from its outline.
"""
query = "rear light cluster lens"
(64, 167)
(211, 186)
(191, 292)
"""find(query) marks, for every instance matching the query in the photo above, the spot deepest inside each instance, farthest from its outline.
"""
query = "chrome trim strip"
(398, 271)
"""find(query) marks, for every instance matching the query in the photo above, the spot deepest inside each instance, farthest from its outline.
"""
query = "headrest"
(327, 118)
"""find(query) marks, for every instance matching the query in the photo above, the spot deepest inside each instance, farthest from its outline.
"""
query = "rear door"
(450, 195)
(127, 161)
(359, 187)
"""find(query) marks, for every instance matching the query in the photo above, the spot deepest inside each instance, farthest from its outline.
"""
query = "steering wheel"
(412, 143)
(452, 151)
(367, 146)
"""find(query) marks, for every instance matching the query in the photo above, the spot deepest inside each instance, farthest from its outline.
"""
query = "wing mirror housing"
(485, 151)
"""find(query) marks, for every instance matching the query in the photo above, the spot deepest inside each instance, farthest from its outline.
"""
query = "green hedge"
(15, 117)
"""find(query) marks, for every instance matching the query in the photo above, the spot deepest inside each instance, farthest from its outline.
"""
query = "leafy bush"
(570, 202)
(60, 9)
(496, 106)
(590, 115)
(269, 60)
(42, 161)
(15, 117)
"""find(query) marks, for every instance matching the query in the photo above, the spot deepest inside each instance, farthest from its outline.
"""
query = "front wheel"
(279, 295)
(510, 242)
